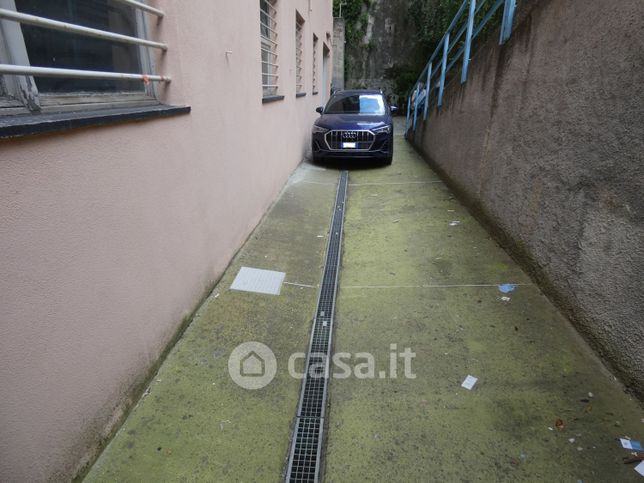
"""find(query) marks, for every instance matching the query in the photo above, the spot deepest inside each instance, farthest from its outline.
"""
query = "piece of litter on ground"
(216, 295)
(631, 444)
(590, 394)
(454, 223)
(572, 440)
(505, 299)
(469, 382)
(259, 281)
(395, 221)
(551, 429)
(559, 424)
(640, 468)
(507, 287)
(320, 236)
(579, 448)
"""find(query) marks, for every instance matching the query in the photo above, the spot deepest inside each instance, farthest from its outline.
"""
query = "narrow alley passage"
(417, 272)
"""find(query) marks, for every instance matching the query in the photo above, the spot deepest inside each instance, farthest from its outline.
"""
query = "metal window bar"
(43, 22)
(10, 69)
(299, 51)
(142, 6)
(268, 36)
(314, 70)
(269, 52)
(269, 4)
(453, 39)
(273, 31)
(27, 72)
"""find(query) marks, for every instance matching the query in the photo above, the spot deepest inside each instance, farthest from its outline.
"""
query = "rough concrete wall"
(546, 142)
(389, 40)
(110, 236)
(338, 54)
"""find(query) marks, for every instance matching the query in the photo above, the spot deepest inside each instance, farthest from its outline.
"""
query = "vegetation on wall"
(356, 20)
(430, 19)
(428, 22)
(355, 17)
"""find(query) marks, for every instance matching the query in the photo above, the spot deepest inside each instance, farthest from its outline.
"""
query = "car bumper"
(382, 149)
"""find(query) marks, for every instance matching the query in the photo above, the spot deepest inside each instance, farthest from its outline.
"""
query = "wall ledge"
(21, 125)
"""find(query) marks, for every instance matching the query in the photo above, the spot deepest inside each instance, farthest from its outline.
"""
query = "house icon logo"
(252, 365)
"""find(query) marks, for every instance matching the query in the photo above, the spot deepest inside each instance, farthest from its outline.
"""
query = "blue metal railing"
(430, 85)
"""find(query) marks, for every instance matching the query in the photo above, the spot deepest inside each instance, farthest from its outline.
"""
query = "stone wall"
(338, 54)
(545, 142)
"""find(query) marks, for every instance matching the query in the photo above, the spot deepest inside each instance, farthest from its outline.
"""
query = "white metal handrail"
(25, 18)
(9, 69)
(142, 6)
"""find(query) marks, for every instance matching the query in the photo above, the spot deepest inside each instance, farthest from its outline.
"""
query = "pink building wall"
(110, 236)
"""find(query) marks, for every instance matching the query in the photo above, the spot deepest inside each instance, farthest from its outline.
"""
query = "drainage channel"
(305, 457)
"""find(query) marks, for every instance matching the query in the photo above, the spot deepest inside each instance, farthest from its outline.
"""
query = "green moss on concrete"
(532, 367)
(194, 423)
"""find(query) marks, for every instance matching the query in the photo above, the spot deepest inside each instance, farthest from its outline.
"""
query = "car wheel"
(388, 160)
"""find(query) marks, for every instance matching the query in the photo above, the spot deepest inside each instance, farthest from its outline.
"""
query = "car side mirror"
(319, 110)
(393, 109)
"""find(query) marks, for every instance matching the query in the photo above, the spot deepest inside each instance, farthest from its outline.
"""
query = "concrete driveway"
(418, 272)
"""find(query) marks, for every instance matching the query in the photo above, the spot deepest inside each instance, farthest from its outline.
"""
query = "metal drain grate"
(306, 447)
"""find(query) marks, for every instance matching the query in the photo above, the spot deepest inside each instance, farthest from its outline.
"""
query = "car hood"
(350, 121)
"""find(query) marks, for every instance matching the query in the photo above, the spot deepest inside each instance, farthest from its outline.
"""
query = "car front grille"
(363, 140)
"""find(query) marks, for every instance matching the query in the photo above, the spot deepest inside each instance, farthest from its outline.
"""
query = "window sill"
(266, 100)
(300, 94)
(30, 124)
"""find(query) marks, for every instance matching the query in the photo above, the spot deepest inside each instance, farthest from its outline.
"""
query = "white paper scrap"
(631, 444)
(640, 468)
(469, 382)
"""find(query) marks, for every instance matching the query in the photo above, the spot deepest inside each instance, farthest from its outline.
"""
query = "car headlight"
(382, 130)
(319, 129)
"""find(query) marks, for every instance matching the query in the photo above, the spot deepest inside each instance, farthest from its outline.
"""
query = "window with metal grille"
(57, 53)
(314, 70)
(299, 54)
(268, 35)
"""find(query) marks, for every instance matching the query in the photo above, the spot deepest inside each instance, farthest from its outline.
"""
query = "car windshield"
(357, 104)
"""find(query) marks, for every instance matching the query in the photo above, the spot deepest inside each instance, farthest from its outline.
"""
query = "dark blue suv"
(354, 124)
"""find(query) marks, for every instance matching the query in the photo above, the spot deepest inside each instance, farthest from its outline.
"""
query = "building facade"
(126, 189)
